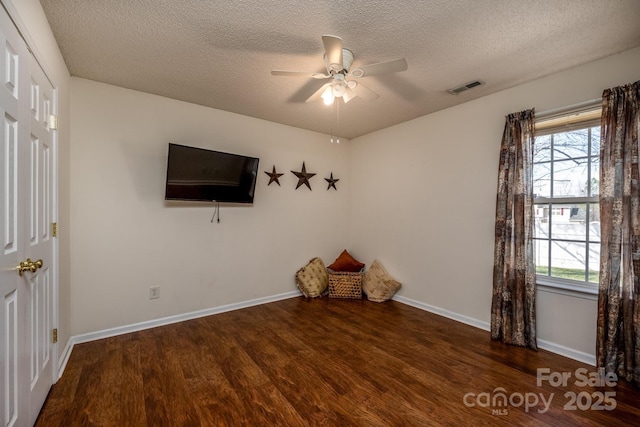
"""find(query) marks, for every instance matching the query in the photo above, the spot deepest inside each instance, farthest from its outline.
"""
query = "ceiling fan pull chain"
(338, 122)
(331, 123)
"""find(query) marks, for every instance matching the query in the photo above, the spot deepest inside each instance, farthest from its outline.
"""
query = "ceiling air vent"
(466, 86)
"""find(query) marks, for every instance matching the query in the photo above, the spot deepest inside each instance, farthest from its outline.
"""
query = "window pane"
(567, 235)
(542, 180)
(594, 222)
(595, 176)
(570, 178)
(568, 260)
(572, 144)
(594, 262)
(541, 249)
(541, 221)
(595, 141)
(542, 149)
(569, 222)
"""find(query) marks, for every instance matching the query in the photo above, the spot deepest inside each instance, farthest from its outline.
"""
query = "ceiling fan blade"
(381, 68)
(318, 94)
(299, 74)
(364, 92)
(333, 51)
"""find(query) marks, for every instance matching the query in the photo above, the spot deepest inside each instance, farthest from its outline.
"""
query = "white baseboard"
(571, 353)
(589, 359)
(64, 358)
(444, 313)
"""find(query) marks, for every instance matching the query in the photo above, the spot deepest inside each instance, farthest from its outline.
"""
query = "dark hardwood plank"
(131, 399)
(319, 362)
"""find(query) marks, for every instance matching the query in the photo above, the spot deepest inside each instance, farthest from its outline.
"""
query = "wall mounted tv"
(207, 175)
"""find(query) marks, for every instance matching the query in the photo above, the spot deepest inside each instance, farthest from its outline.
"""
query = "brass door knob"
(29, 265)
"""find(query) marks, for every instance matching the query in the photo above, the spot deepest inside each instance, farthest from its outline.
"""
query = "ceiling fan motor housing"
(347, 60)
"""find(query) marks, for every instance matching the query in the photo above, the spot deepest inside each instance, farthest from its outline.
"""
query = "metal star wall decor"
(273, 176)
(332, 182)
(303, 177)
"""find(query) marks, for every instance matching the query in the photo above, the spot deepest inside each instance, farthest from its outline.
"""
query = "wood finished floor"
(315, 362)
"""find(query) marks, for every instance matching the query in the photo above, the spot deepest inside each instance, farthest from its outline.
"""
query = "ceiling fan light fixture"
(348, 95)
(327, 96)
(338, 90)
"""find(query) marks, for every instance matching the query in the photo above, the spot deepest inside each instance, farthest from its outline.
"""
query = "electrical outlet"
(154, 292)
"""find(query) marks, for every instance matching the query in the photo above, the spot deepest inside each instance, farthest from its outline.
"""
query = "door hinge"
(54, 335)
(54, 229)
(53, 122)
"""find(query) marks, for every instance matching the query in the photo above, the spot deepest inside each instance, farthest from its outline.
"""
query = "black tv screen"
(207, 175)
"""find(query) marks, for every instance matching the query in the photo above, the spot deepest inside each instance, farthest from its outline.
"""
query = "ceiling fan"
(338, 62)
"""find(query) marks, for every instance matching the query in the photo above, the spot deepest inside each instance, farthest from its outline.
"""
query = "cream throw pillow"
(378, 285)
(312, 279)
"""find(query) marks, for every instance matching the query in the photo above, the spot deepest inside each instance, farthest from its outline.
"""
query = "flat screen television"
(206, 175)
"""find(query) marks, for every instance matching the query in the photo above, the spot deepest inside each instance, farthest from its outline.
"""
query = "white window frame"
(577, 117)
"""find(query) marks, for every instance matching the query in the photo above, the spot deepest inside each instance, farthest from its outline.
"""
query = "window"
(566, 210)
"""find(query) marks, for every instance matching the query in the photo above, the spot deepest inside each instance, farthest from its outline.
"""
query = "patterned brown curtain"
(513, 308)
(618, 332)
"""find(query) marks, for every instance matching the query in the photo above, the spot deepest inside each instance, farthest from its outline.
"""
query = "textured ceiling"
(220, 53)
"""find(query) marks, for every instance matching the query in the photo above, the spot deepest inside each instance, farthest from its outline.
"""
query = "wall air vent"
(458, 89)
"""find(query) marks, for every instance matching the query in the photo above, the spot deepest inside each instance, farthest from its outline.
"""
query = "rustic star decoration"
(274, 176)
(332, 182)
(303, 177)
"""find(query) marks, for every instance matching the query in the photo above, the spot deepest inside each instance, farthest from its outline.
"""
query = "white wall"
(126, 238)
(32, 22)
(424, 193)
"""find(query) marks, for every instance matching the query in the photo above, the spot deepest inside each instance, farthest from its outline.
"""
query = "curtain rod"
(586, 105)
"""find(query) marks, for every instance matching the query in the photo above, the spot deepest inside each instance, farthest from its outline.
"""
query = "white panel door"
(38, 212)
(13, 53)
(26, 201)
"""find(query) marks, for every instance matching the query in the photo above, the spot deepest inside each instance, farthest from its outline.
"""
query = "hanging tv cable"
(216, 210)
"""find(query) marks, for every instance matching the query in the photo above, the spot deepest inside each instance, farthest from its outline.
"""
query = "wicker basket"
(344, 284)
